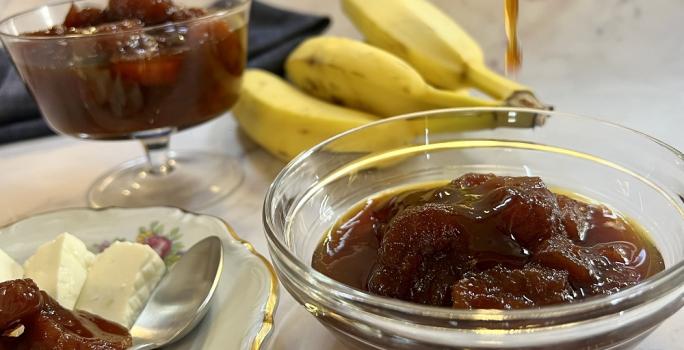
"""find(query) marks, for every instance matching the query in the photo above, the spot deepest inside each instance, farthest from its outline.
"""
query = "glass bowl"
(635, 174)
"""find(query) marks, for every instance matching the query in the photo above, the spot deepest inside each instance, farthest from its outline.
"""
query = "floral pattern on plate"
(168, 245)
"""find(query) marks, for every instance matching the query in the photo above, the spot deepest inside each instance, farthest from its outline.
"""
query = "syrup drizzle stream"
(513, 53)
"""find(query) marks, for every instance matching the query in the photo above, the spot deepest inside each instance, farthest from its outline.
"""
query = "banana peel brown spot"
(304, 131)
(336, 67)
(337, 100)
(464, 73)
(313, 61)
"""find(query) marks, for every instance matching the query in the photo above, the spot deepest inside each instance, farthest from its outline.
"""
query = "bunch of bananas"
(415, 58)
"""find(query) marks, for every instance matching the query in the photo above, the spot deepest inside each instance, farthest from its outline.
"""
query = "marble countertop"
(616, 59)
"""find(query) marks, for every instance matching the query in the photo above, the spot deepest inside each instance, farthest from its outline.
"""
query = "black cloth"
(273, 33)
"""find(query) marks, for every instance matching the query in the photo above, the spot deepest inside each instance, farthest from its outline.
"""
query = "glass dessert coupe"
(126, 80)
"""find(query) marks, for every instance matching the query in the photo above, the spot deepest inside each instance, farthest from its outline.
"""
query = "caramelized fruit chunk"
(471, 180)
(504, 288)
(48, 326)
(113, 27)
(526, 209)
(420, 256)
(229, 45)
(19, 300)
(59, 329)
(561, 253)
(184, 14)
(615, 274)
(593, 270)
(149, 11)
(83, 18)
(576, 217)
(159, 70)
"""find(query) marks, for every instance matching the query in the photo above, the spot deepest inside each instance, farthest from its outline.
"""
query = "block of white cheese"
(120, 281)
(60, 268)
(9, 269)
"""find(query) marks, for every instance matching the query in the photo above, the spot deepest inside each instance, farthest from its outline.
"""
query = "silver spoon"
(182, 297)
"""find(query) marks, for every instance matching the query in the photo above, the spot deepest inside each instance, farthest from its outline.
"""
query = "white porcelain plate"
(241, 316)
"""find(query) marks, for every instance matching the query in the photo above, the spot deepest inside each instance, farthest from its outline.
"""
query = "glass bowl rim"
(606, 303)
(239, 7)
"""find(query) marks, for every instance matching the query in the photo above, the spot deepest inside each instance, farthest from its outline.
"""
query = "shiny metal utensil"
(182, 297)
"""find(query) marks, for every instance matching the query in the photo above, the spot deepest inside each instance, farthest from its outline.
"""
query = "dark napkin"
(273, 33)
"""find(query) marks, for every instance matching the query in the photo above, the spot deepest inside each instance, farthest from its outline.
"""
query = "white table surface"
(618, 59)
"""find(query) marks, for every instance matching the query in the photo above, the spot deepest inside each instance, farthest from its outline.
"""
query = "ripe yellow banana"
(357, 75)
(286, 121)
(439, 49)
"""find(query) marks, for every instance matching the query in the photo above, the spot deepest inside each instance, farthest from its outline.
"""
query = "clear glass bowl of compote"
(638, 176)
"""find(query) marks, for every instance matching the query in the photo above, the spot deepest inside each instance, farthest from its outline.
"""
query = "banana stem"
(492, 83)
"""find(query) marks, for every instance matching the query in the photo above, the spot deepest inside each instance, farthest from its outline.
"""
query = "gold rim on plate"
(272, 301)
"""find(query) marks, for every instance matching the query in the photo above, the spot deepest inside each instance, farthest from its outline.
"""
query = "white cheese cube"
(60, 267)
(120, 281)
(9, 269)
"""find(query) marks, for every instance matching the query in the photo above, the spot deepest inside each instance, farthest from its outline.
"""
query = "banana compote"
(486, 241)
(137, 65)
(31, 320)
